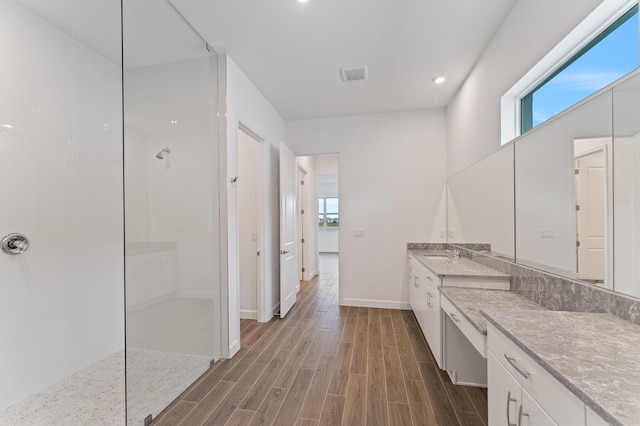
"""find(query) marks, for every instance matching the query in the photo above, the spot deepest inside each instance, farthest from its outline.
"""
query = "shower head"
(160, 155)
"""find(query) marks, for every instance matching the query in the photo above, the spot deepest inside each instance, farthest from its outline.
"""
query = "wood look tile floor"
(325, 364)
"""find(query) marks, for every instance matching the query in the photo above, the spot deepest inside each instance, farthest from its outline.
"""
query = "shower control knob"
(14, 244)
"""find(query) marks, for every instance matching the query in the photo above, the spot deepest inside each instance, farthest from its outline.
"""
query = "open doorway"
(249, 149)
(319, 217)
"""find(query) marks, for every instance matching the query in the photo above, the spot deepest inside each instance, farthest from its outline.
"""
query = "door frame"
(261, 305)
(341, 233)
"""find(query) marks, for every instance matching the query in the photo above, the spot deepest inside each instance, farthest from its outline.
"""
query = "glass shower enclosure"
(171, 205)
(110, 262)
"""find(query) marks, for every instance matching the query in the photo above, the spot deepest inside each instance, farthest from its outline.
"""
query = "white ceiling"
(292, 52)
(95, 23)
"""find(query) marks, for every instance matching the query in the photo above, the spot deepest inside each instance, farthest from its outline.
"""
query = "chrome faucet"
(455, 253)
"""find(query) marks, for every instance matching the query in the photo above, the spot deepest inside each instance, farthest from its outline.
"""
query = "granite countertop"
(596, 356)
(469, 301)
(442, 264)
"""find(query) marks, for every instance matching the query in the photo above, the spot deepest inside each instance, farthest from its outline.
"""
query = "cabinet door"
(412, 292)
(531, 414)
(594, 420)
(505, 394)
(434, 321)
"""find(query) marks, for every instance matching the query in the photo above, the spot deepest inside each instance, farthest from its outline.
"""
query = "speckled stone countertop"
(469, 301)
(442, 264)
(596, 356)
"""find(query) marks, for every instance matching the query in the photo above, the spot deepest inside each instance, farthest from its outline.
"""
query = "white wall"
(247, 189)
(327, 164)
(545, 183)
(392, 177)
(531, 30)
(246, 105)
(175, 200)
(626, 197)
(481, 203)
(61, 303)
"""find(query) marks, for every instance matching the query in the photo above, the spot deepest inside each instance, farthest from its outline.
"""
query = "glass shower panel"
(61, 300)
(171, 206)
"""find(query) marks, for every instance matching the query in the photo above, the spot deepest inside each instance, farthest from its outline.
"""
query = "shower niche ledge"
(151, 272)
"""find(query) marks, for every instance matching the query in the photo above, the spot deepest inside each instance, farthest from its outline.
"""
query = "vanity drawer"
(477, 339)
(419, 268)
(562, 405)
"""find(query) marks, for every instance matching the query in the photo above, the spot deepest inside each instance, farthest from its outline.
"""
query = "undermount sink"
(436, 257)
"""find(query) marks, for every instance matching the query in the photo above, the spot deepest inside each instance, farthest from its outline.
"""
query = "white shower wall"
(61, 303)
(174, 200)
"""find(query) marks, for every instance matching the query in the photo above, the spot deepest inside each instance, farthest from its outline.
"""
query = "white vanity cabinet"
(424, 299)
(521, 392)
(594, 420)
(510, 403)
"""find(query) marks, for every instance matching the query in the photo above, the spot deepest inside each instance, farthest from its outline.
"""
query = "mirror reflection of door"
(591, 202)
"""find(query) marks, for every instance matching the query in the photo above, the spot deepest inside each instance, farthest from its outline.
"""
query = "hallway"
(326, 364)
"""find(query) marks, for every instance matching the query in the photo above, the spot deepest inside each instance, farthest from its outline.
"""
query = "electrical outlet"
(547, 233)
(443, 233)
(450, 233)
(358, 233)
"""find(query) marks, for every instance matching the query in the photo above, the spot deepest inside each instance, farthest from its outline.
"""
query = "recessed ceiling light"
(302, 1)
(439, 80)
(174, 121)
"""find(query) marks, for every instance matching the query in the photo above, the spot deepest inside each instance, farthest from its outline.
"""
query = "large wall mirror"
(626, 176)
(576, 181)
(563, 190)
(480, 204)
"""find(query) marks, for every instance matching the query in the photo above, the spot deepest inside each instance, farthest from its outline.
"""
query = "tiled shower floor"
(95, 395)
(157, 371)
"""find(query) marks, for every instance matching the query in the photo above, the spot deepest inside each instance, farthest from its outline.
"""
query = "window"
(607, 57)
(328, 213)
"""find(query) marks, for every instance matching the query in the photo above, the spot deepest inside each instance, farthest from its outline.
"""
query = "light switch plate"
(358, 233)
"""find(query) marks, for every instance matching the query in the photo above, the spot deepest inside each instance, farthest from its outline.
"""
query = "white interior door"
(247, 198)
(288, 230)
(591, 224)
(302, 202)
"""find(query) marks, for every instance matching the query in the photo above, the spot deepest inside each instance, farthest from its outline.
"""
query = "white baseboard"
(308, 276)
(234, 348)
(248, 314)
(371, 303)
(195, 294)
(329, 251)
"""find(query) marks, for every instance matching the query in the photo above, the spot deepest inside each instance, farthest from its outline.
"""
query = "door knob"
(14, 244)
(284, 251)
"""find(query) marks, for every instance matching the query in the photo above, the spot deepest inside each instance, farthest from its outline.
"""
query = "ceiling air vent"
(353, 74)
